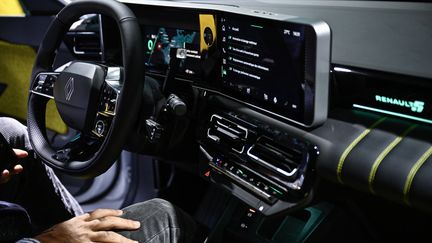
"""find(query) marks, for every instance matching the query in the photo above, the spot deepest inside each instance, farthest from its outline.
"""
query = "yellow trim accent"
(413, 172)
(11, 8)
(351, 146)
(207, 20)
(384, 153)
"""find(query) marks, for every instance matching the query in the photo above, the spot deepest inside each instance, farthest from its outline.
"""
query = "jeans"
(38, 190)
(160, 222)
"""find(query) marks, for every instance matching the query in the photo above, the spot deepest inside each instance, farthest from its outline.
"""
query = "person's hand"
(96, 226)
(6, 175)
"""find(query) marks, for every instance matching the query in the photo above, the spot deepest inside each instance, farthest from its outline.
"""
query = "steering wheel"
(99, 101)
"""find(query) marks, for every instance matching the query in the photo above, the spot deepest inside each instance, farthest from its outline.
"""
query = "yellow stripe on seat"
(351, 146)
(384, 153)
(413, 172)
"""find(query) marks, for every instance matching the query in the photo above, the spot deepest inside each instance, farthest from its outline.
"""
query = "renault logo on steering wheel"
(69, 88)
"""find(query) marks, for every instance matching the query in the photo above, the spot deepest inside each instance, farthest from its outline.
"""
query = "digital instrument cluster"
(160, 40)
(158, 44)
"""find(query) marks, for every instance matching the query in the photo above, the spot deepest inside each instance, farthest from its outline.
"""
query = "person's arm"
(6, 175)
(97, 226)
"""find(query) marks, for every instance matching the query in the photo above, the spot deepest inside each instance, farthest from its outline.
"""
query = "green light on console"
(276, 190)
(392, 113)
(257, 26)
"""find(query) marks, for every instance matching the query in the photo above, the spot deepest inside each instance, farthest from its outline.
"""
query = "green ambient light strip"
(392, 113)
(257, 26)
(351, 146)
(413, 172)
(384, 154)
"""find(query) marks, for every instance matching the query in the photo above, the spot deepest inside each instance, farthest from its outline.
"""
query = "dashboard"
(276, 102)
(264, 61)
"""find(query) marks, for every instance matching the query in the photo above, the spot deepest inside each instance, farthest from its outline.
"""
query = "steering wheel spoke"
(44, 84)
(110, 91)
(79, 148)
(107, 105)
(102, 124)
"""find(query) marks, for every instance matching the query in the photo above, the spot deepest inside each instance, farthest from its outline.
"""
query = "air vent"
(87, 43)
(275, 157)
(84, 44)
(227, 133)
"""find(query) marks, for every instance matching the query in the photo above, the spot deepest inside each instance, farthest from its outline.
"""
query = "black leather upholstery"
(392, 171)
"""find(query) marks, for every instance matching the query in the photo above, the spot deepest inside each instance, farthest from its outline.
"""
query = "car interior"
(265, 120)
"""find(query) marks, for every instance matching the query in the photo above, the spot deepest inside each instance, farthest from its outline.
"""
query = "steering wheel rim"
(128, 101)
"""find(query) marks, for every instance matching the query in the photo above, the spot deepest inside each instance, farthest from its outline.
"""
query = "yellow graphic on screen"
(207, 31)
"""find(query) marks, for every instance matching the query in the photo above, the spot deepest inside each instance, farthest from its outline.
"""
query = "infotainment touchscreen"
(160, 40)
(270, 64)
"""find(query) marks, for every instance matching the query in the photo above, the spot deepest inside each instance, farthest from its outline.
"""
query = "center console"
(265, 167)
(276, 66)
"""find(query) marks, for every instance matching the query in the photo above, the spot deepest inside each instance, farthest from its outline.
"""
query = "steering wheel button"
(100, 127)
(42, 78)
